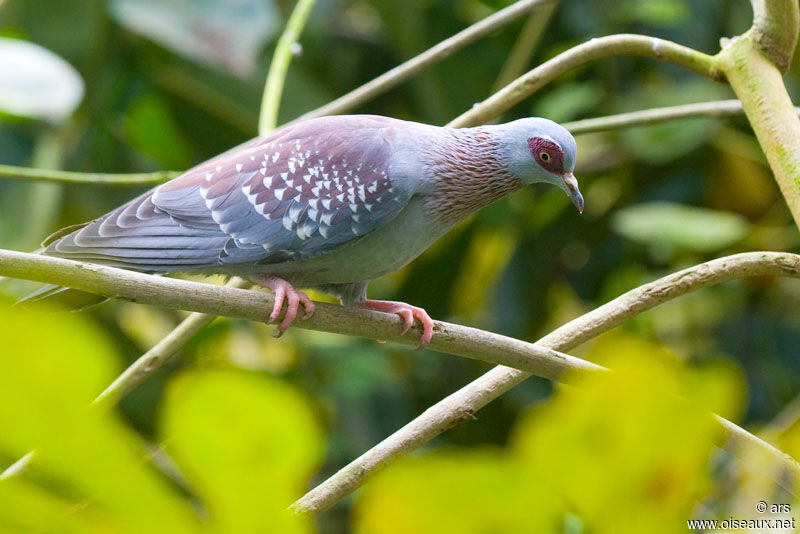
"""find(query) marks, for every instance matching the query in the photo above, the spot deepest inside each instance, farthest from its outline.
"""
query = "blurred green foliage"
(658, 198)
(626, 453)
(243, 446)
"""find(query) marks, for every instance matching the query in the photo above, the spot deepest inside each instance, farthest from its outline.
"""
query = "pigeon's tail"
(47, 290)
(71, 298)
(65, 296)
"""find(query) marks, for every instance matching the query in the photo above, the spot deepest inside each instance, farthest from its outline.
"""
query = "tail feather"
(66, 296)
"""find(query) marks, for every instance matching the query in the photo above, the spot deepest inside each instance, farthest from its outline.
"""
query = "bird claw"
(408, 313)
(283, 291)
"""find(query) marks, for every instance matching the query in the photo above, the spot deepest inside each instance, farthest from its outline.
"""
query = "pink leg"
(408, 313)
(284, 290)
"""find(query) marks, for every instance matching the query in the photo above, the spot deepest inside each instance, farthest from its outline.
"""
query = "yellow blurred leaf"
(452, 491)
(246, 443)
(53, 365)
(488, 254)
(626, 452)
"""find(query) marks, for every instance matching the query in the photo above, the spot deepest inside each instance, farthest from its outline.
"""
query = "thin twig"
(92, 178)
(521, 53)
(601, 47)
(406, 70)
(715, 110)
(464, 403)
(276, 76)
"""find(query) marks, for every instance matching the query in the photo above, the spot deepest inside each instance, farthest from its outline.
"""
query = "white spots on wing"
(353, 207)
(285, 176)
(326, 203)
(279, 193)
(295, 210)
(340, 197)
(315, 191)
(368, 206)
(307, 178)
(219, 168)
(324, 231)
(313, 204)
(209, 176)
(263, 171)
(290, 163)
(268, 182)
(326, 218)
(239, 167)
(275, 156)
(372, 187)
(248, 191)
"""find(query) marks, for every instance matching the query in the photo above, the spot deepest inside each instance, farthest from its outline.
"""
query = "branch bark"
(776, 24)
(759, 85)
(465, 402)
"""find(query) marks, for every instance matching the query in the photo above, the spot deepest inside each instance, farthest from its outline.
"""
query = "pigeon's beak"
(571, 187)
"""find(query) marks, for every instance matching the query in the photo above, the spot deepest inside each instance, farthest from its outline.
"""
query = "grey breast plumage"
(298, 193)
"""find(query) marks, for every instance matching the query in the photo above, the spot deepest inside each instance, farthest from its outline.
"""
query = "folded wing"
(298, 193)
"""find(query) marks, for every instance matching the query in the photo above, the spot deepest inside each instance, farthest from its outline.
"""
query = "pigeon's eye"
(544, 156)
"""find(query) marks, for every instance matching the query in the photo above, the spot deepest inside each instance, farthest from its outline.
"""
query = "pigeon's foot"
(283, 290)
(408, 313)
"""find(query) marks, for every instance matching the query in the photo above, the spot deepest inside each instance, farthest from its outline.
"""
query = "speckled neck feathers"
(468, 174)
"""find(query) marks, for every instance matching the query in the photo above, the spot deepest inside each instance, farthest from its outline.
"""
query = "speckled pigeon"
(329, 203)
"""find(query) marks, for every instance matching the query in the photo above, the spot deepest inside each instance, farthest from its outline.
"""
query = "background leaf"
(222, 33)
(36, 83)
(663, 224)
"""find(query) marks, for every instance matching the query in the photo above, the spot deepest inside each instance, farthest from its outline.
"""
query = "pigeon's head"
(539, 150)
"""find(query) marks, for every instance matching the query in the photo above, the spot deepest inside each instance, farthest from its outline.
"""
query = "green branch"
(717, 109)
(462, 405)
(273, 89)
(91, 178)
(601, 47)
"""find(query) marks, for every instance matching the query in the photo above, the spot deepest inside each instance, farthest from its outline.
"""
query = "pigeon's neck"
(467, 173)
